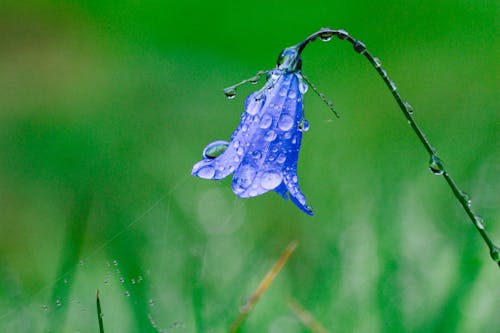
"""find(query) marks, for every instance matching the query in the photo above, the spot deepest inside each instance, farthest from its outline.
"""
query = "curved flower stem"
(436, 164)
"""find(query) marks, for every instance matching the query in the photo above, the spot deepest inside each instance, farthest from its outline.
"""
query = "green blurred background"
(106, 105)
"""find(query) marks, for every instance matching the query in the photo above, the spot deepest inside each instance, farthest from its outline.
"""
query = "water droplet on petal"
(285, 122)
(304, 125)
(302, 86)
(257, 154)
(206, 172)
(230, 92)
(215, 149)
(270, 136)
(254, 106)
(245, 178)
(292, 94)
(283, 92)
(270, 180)
(266, 121)
(301, 199)
(258, 96)
(436, 165)
(281, 158)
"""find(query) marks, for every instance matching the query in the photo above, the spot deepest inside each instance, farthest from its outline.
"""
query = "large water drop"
(285, 122)
(245, 178)
(254, 106)
(230, 92)
(270, 180)
(436, 165)
(206, 172)
(266, 121)
(215, 149)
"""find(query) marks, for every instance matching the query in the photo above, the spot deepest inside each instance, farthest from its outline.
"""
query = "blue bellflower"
(264, 149)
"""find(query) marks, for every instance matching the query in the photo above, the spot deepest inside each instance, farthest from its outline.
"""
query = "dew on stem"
(436, 165)
(230, 92)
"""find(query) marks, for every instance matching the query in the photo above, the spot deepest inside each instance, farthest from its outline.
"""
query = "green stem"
(437, 166)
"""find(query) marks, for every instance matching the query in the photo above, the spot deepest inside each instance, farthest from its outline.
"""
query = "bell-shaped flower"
(263, 151)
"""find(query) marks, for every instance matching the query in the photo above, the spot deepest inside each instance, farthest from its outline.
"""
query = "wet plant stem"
(436, 164)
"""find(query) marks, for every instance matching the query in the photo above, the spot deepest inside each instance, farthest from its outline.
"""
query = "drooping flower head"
(263, 151)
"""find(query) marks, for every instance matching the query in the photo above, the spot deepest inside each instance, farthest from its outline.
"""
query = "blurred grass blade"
(73, 241)
(305, 317)
(264, 284)
(99, 313)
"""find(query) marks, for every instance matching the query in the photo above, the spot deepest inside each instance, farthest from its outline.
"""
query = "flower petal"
(275, 145)
(230, 159)
(264, 149)
(296, 195)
